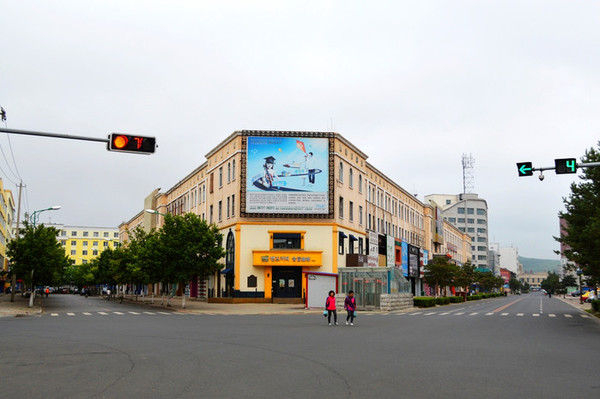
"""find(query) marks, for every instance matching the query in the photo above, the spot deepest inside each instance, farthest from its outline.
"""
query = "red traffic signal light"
(130, 143)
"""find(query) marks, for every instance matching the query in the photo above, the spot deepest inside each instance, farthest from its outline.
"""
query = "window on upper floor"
(287, 241)
(85, 234)
(351, 178)
(360, 184)
(221, 176)
(341, 172)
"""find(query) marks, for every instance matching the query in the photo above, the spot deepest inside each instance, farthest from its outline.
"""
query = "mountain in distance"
(535, 265)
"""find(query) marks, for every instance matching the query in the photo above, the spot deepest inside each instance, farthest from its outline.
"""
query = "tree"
(582, 231)
(465, 276)
(551, 283)
(487, 281)
(190, 247)
(37, 257)
(567, 281)
(440, 273)
(514, 285)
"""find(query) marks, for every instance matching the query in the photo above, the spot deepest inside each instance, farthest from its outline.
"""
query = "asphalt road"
(527, 346)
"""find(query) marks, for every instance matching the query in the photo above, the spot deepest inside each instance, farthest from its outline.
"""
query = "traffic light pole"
(579, 165)
(55, 135)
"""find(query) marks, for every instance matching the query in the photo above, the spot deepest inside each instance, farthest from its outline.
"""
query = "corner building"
(289, 204)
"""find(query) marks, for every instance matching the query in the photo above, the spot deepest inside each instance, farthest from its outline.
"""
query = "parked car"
(575, 293)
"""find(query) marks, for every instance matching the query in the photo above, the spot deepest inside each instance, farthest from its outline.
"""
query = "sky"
(412, 84)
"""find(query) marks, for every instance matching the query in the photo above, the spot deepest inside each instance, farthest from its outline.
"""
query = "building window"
(220, 210)
(94, 243)
(95, 252)
(341, 208)
(233, 205)
(360, 215)
(73, 243)
(351, 211)
(228, 199)
(448, 202)
(470, 221)
(73, 252)
(480, 211)
(233, 169)
(96, 234)
(481, 231)
(470, 211)
(228, 172)
(480, 221)
(73, 234)
(84, 252)
(351, 178)
(360, 184)
(287, 241)
(105, 244)
(452, 220)
(360, 245)
(341, 172)
(105, 234)
(85, 243)
(461, 211)
(221, 176)
(341, 238)
(210, 215)
(461, 220)
(85, 233)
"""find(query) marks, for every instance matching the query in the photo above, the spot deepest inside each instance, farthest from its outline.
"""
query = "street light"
(154, 212)
(36, 214)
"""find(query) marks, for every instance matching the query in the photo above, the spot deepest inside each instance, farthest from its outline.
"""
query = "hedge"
(424, 301)
(596, 305)
(456, 299)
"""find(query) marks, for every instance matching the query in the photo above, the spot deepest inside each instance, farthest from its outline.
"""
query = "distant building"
(84, 243)
(7, 214)
(533, 279)
(494, 258)
(509, 259)
(469, 214)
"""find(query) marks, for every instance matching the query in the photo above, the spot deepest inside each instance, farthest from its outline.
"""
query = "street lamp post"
(34, 218)
(36, 214)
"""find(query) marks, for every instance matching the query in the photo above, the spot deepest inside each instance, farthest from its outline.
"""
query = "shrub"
(474, 297)
(456, 299)
(424, 301)
(596, 305)
(442, 300)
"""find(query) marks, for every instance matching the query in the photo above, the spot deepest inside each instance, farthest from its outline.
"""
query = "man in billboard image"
(310, 167)
(269, 175)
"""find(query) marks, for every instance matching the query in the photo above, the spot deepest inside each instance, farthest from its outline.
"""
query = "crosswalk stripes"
(568, 315)
(103, 313)
(87, 313)
(536, 315)
(520, 314)
(552, 315)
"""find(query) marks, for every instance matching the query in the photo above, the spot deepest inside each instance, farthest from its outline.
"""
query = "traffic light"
(525, 169)
(130, 143)
(565, 165)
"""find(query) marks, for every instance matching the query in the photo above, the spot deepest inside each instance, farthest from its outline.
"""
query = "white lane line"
(551, 315)
(568, 315)
(445, 313)
(53, 314)
(414, 314)
(103, 313)
(148, 313)
(585, 316)
(87, 313)
(459, 314)
(474, 313)
(520, 314)
(489, 313)
(70, 314)
(164, 313)
(119, 313)
(504, 314)
(430, 313)
(536, 315)
(133, 312)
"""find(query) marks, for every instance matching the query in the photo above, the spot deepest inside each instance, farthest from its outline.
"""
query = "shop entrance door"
(287, 282)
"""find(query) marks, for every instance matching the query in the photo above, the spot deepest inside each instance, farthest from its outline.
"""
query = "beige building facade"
(292, 203)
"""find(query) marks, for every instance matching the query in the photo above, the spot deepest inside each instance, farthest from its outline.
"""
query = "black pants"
(329, 312)
(350, 316)
(311, 176)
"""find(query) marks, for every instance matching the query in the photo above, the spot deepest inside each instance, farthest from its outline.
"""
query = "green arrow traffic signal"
(525, 169)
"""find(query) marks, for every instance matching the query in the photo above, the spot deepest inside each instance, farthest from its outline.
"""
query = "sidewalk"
(20, 307)
(574, 301)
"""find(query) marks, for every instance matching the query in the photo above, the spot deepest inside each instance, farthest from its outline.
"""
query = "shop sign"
(287, 258)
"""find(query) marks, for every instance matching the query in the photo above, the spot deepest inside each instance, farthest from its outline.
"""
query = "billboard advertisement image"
(287, 175)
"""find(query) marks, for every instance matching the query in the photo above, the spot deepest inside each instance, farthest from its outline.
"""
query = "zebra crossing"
(469, 314)
(111, 313)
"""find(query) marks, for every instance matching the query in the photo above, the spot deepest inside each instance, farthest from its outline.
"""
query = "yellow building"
(7, 214)
(82, 243)
(288, 203)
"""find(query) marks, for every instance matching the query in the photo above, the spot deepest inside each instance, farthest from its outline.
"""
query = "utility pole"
(14, 276)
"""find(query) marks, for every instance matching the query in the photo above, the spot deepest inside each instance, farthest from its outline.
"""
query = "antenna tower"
(468, 173)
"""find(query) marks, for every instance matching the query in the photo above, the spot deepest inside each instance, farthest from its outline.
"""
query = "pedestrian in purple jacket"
(350, 306)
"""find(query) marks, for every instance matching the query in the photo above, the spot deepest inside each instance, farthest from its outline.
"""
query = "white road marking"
(551, 315)
(119, 313)
(103, 313)
(474, 313)
(459, 314)
(430, 313)
(54, 314)
(148, 313)
(87, 313)
(489, 313)
(519, 314)
(568, 315)
(164, 313)
(504, 314)
(133, 312)
(585, 316)
(70, 314)
(536, 315)
(445, 313)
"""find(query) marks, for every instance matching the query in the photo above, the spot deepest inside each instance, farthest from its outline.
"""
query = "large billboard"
(287, 175)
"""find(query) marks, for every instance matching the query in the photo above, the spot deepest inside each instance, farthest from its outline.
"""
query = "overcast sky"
(413, 84)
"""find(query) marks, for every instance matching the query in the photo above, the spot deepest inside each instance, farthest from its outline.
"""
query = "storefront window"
(287, 241)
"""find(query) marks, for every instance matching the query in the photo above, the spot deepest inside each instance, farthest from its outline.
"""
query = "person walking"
(350, 306)
(330, 307)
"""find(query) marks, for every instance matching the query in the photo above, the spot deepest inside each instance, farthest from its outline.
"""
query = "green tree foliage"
(582, 216)
(465, 276)
(551, 283)
(440, 273)
(487, 281)
(36, 255)
(189, 247)
(514, 285)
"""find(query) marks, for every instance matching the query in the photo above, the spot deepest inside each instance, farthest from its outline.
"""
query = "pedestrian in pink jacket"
(330, 307)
